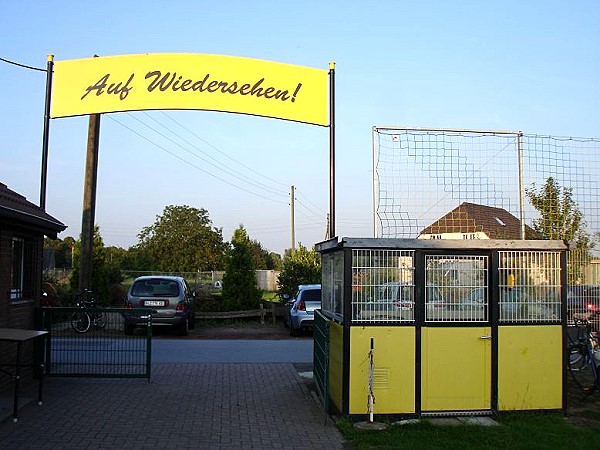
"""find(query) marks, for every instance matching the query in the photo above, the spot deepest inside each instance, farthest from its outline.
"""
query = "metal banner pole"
(46, 134)
(332, 149)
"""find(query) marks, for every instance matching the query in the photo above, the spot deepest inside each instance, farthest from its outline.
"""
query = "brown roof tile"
(496, 223)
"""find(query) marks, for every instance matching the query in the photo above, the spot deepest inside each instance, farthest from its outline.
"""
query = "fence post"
(149, 346)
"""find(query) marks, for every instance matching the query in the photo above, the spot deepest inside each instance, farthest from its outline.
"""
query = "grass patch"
(517, 431)
(271, 296)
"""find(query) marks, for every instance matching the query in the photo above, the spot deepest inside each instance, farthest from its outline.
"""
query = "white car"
(301, 308)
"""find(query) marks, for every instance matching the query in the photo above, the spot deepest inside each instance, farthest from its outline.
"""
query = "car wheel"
(128, 329)
(192, 321)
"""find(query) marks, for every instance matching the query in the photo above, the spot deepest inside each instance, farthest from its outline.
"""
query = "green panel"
(394, 369)
(336, 364)
(321, 358)
(530, 361)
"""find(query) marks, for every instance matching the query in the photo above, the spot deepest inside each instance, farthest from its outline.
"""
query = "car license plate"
(154, 303)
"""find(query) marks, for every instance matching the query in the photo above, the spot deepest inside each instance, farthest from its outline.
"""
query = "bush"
(301, 266)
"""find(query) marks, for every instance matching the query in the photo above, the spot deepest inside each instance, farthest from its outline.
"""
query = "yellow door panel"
(530, 364)
(456, 369)
(394, 374)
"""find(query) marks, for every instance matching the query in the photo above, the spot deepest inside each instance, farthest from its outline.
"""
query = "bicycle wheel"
(100, 320)
(80, 321)
(578, 358)
(583, 371)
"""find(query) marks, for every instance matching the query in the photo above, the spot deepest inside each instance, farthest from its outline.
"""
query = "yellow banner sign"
(190, 81)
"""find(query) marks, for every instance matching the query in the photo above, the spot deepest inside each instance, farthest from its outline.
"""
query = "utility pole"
(292, 193)
(89, 203)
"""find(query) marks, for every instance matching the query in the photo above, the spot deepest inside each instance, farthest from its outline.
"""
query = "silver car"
(171, 298)
(301, 308)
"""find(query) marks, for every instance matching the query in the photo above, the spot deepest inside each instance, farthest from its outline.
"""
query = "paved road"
(187, 405)
(232, 351)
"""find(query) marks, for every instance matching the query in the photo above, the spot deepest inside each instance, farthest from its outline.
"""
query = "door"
(456, 336)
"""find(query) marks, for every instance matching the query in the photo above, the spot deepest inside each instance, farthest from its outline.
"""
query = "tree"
(239, 282)
(561, 219)
(264, 259)
(183, 239)
(62, 251)
(100, 270)
(300, 266)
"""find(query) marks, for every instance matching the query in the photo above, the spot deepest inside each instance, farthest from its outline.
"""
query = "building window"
(22, 272)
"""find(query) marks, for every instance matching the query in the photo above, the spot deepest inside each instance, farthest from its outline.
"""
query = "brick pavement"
(185, 406)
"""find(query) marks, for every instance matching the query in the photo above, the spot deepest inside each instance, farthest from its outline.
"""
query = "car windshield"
(155, 287)
(309, 295)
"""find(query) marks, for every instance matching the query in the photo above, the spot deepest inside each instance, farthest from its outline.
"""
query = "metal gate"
(103, 351)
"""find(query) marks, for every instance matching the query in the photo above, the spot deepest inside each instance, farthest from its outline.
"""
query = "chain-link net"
(468, 184)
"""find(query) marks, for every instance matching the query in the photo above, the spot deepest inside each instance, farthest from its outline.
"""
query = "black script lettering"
(282, 95)
(256, 90)
(184, 86)
(244, 89)
(120, 89)
(213, 86)
(199, 85)
(176, 83)
(268, 92)
(232, 89)
(98, 86)
(296, 92)
(162, 83)
(223, 86)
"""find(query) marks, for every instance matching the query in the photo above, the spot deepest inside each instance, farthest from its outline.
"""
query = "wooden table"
(18, 337)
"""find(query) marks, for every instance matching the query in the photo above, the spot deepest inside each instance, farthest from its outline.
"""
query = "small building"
(23, 226)
(417, 327)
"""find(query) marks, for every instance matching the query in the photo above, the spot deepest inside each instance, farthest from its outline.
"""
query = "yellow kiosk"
(412, 327)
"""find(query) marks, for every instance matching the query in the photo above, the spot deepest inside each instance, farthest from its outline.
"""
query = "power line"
(21, 65)
(311, 212)
(228, 170)
(258, 185)
(221, 152)
(193, 165)
(311, 202)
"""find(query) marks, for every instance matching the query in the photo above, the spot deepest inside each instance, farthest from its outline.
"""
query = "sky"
(512, 65)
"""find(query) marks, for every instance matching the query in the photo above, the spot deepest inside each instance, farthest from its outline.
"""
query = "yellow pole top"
(331, 65)
(50, 57)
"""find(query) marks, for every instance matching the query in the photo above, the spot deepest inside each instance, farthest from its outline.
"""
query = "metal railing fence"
(103, 351)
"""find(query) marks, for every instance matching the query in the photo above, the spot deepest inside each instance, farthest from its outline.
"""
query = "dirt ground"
(244, 331)
(583, 409)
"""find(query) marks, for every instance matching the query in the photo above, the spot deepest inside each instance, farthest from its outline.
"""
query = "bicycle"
(584, 354)
(82, 320)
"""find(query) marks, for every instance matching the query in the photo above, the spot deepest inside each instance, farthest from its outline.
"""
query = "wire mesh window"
(529, 284)
(456, 288)
(383, 286)
(332, 284)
